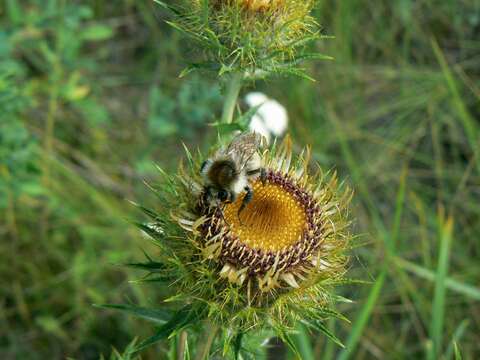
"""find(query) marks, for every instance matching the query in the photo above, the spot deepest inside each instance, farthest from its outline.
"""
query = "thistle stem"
(182, 340)
(211, 330)
(233, 89)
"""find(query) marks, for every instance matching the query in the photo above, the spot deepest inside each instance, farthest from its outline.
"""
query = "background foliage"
(90, 101)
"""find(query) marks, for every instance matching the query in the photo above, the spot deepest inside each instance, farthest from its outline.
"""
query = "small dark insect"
(229, 171)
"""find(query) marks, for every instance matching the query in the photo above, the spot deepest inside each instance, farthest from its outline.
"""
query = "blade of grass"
(466, 118)
(304, 345)
(438, 306)
(374, 294)
(458, 355)
(452, 284)
(364, 316)
(329, 352)
(457, 335)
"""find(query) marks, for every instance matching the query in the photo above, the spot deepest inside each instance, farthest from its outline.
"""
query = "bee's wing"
(243, 147)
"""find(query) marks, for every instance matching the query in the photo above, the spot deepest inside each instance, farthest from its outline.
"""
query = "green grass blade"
(466, 118)
(452, 284)
(363, 318)
(458, 355)
(287, 340)
(302, 339)
(374, 294)
(457, 335)
(158, 316)
(438, 306)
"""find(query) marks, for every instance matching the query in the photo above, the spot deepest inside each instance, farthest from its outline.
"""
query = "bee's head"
(214, 196)
(222, 195)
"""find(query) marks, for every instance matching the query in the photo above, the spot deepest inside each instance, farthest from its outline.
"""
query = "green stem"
(211, 330)
(233, 89)
(182, 341)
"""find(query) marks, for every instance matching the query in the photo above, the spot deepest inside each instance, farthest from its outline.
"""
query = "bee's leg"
(232, 197)
(263, 176)
(206, 196)
(220, 208)
(246, 199)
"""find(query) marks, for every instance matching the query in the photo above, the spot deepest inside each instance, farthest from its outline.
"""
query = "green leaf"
(323, 312)
(457, 335)
(155, 315)
(149, 231)
(14, 11)
(150, 213)
(97, 32)
(308, 56)
(458, 355)
(225, 129)
(237, 345)
(127, 354)
(245, 118)
(438, 306)
(240, 123)
(207, 66)
(302, 338)
(152, 266)
(168, 7)
(182, 318)
(292, 71)
(452, 284)
(317, 325)
(286, 338)
(364, 315)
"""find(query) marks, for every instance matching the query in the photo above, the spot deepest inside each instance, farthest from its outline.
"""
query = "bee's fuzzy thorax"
(222, 173)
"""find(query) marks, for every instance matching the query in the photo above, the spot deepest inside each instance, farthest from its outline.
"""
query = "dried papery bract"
(272, 264)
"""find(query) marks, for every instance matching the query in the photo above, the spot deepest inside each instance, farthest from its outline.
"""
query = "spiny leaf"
(240, 123)
(149, 231)
(293, 71)
(245, 118)
(207, 65)
(237, 345)
(289, 342)
(150, 213)
(152, 266)
(317, 325)
(308, 56)
(168, 7)
(182, 318)
(225, 129)
(323, 312)
(155, 315)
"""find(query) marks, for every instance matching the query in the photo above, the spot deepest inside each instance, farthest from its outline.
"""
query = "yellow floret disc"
(272, 221)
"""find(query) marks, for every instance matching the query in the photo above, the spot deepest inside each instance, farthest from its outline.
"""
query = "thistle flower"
(248, 36)
(273, 264)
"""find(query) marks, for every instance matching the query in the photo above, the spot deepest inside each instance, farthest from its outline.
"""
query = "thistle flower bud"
(248, 36)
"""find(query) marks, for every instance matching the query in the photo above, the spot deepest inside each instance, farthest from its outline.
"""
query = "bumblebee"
(228, 173)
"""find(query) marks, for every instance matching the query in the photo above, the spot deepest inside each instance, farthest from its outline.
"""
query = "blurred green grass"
(90, 101)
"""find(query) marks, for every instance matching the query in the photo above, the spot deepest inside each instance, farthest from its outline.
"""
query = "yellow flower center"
(272, 221)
